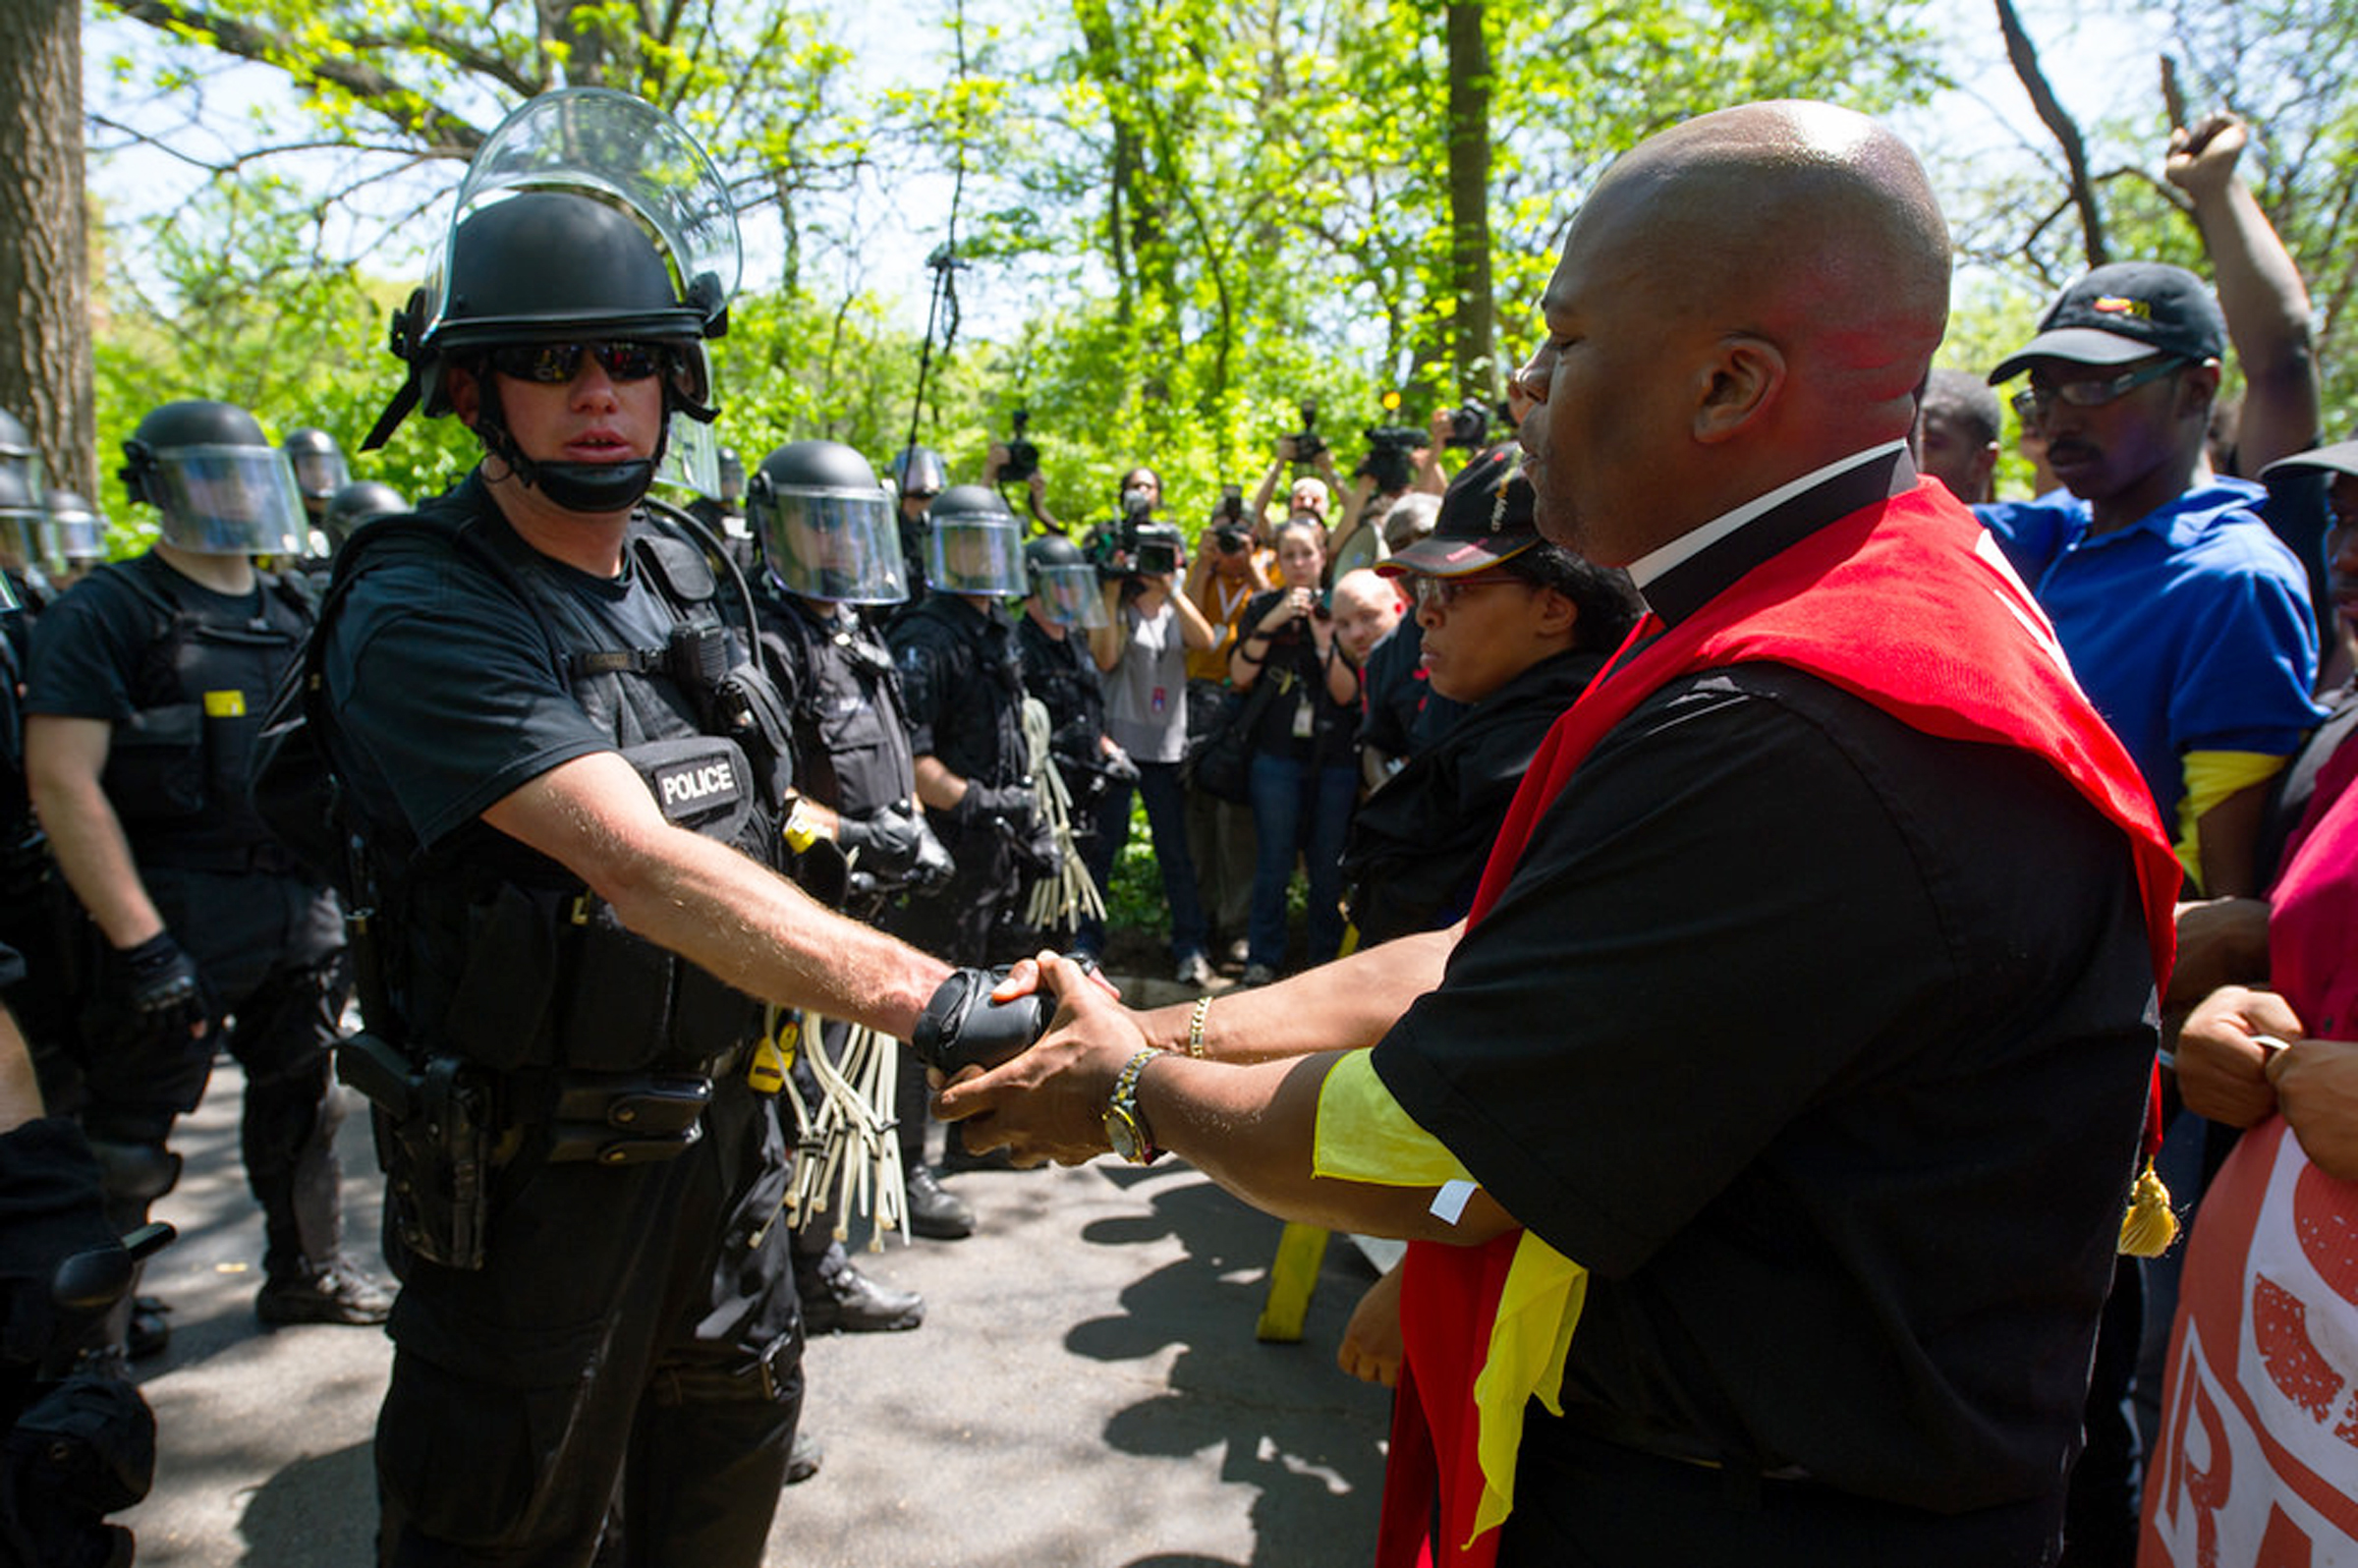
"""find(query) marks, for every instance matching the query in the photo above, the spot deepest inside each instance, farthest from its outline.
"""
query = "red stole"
(1905, 604)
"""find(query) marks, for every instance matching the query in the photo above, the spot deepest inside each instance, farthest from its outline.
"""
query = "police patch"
(699, 785)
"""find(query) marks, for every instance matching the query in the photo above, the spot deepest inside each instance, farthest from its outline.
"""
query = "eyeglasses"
(2090, 392)
(1439, 592)
(556, 364)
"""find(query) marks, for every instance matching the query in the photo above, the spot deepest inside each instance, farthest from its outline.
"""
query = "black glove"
(995, 803)
(885, 841)
(932, 868)
(1034, 845)
(962, 1026)
(1118, 768)
(162, 987)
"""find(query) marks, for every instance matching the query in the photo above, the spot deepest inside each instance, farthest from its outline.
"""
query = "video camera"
(1391, 460)
(1134, 545)
(1023, 458)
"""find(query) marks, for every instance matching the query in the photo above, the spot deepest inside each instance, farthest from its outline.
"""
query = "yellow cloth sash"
(1363, 1136)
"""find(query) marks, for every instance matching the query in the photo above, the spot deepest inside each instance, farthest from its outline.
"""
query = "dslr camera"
(1469, 425)
(1309, 445)
(1134, 545)
(1023, 458)
(1231, 535)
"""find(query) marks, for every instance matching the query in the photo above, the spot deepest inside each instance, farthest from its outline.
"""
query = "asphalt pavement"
(1086, 1391)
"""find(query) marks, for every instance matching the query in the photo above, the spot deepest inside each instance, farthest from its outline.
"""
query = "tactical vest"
(1063, 674)
(482, 948)
(175, 768)
(978, 728)
(851, 734)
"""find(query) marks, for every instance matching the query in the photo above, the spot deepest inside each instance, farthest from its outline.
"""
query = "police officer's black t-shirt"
(92, 644)
(445, 692)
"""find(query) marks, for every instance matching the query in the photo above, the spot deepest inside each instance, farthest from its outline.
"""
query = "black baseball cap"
(2339, 457)
(1486, 517)
(2121, 312)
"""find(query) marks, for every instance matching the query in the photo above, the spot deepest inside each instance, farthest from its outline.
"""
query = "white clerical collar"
(1645, 567)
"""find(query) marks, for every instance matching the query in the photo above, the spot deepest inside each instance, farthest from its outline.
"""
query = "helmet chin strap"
(575, 486)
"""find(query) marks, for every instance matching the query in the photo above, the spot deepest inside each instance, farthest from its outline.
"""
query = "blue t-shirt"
(2190, 628)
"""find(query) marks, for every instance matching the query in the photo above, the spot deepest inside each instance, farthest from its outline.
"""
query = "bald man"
(1762, 1138)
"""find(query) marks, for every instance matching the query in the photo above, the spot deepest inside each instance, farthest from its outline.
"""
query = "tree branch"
(406, 108)
(2024, 57)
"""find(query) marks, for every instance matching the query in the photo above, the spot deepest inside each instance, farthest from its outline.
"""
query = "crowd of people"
(1769, 906)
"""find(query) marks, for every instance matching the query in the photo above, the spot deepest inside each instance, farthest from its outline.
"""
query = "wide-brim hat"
(1486, 517)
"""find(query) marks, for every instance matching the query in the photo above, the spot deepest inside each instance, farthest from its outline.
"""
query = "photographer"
(1312, 494)
(1225, 572)
(1001, 467)
(1143, 650)
(1303, 777)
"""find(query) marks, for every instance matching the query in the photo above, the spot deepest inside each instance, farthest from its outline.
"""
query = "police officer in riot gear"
(827, 544)
(355, 504)
(569, 781)
(1059, 670)
(76, 535)
(26, 555)
(319, 469)
(146, 690)
(962, 678)
(919, 475)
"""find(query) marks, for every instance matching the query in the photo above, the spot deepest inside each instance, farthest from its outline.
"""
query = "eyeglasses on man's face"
(2089, 391)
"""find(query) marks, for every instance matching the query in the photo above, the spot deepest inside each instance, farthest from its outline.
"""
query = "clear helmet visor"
(10, 604)
(692, 447)
(320, 475)
(79, 532)
(625, 148)
(26, 541)
(1070, 595)
(838, 545)
(975, 552)
(230, 500)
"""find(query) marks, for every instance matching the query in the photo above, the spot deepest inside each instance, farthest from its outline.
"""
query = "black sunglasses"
(556, 364)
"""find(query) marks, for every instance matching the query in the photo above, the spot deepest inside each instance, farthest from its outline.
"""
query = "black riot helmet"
(919, 473)
(319, 467)
(355, 504)
(1064, 582)
(826, 526)
(973, 544)
(222, 488)
(588, 217)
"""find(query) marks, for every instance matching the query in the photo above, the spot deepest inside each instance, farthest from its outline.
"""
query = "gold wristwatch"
(1125, 1125)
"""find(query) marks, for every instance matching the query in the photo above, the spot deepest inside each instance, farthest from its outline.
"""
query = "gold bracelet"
(1194, 1025)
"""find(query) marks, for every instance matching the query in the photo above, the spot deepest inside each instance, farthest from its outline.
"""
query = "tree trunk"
(45, 374)
(1469, 201)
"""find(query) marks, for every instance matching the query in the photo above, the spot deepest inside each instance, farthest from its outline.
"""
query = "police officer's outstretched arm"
(711, 905)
